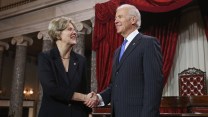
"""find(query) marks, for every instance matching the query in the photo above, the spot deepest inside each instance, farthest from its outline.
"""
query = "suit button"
(69, 105)
(116, 72)
(115, 85)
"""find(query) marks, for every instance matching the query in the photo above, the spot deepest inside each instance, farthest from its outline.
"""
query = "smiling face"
(124, 22)
(69, 35)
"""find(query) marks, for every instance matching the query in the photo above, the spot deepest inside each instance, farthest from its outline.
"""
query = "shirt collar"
(131, 36)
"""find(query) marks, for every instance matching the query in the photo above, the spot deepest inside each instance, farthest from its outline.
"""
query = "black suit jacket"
(137, 80)
(59, 86)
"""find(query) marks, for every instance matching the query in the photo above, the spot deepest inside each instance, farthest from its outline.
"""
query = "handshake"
(91, 100)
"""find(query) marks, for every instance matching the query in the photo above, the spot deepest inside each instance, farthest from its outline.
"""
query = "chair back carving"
(192, 82)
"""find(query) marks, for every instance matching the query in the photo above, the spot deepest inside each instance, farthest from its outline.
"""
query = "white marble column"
(16, 98)
(3, 46)
(47, 45)
(93, 63)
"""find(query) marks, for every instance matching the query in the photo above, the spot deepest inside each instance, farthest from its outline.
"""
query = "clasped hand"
(91, 100)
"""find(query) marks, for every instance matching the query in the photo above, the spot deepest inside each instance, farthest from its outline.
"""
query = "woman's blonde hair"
(57, 25)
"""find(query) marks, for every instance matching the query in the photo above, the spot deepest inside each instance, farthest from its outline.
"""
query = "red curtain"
(167, 35)
(105, 39)
(157, 5)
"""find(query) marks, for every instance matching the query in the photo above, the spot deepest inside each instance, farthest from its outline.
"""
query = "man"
(137, 80)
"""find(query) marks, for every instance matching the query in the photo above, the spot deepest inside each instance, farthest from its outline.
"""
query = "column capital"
(44, 35)
(92, 19)
(4, 46)
(22, 40)
(83, 27)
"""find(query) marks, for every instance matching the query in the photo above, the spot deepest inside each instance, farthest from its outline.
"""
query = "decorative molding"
(13, 4)
(92, 19)
(22, 40)
(44, 35)
(39, 20)
(29, 7)
(4, 46)
(192, 71)
(81, 26)
(89, 29)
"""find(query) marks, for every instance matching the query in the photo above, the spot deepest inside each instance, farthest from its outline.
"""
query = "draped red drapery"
(156, 6)
(105, 39)
(167, 35)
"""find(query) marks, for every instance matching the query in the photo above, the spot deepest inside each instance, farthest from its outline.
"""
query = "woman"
(62, 74)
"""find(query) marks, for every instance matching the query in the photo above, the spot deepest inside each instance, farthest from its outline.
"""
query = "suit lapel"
(135, 42)
(116, 61)
(59, 65)
(73, 65)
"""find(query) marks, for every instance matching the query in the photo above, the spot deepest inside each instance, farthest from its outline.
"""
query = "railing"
(28, 108)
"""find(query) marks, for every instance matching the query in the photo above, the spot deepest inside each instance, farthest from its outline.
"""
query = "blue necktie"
(122, 49)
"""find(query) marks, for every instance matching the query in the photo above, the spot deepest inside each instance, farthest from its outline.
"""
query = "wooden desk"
(183, 115)
(173, 106)
(198, 104)
(101, 110)
(101, 114)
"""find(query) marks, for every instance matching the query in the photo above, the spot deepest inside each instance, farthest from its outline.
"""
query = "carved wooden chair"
(192, 82)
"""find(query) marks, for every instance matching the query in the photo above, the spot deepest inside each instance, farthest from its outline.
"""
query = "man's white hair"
(132, 11)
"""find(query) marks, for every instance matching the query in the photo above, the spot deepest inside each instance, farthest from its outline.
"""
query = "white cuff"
(101, 102)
